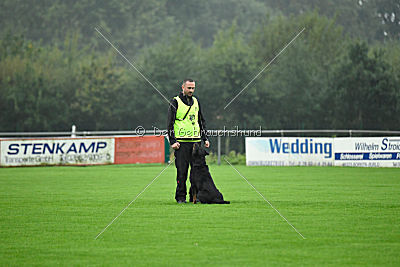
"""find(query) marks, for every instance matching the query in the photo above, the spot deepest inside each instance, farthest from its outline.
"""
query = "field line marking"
(265, 199)
(264, 68)
(144, 77)
(134, 199)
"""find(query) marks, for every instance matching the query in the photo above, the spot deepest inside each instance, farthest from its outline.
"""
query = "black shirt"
(188, 100)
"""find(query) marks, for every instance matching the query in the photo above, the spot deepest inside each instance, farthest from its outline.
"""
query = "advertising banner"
(140, 149)
(309, 151)
(367, 152)
(289, 151)
(56, 151)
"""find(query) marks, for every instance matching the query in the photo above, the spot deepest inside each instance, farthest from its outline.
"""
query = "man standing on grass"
(186, 126)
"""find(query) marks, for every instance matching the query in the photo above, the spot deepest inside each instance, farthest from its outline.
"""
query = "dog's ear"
(202, 152)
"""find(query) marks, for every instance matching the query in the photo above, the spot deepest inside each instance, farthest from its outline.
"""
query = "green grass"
(51, 215)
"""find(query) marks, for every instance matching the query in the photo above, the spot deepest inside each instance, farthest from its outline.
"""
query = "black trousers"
(183, 158)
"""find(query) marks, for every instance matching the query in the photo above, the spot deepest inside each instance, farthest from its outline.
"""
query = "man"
(186, 126)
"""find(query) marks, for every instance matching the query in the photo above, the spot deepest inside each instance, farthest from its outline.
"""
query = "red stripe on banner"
(143, 149)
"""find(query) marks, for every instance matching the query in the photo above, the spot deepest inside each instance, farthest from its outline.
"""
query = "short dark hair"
(187, 80)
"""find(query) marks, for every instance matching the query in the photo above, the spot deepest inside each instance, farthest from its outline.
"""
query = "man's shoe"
(181, 201)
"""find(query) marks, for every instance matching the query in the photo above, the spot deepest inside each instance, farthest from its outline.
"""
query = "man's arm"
(171, 120)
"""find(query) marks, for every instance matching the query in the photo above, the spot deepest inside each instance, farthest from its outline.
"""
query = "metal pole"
(219, 149)
(73, 131)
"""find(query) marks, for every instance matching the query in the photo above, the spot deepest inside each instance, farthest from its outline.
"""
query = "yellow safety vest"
(187, 129)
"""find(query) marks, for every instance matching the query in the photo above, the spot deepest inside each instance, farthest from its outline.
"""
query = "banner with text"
(310, 151)
(140, 149)
(368, 152)
(289, 151)
(56, 151)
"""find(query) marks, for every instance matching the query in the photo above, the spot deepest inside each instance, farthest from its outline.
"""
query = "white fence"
(219, 134)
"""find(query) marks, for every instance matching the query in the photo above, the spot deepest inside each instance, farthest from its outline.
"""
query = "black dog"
(202, 184)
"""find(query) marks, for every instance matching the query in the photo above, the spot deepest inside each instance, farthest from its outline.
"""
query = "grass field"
(51, 215)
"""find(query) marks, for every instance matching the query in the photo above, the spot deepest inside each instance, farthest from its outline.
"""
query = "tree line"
(326, 79)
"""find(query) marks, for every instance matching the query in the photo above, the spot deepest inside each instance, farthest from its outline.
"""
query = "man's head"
(188, 87)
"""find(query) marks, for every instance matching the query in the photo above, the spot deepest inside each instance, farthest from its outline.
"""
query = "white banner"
(57, 151)
(309, 151)
(289, 151)
(368, 152)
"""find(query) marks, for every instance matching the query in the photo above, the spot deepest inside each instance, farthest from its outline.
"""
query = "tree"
(366, 91)
(165, 66)
(48, 89)
(97, 95)
(295, 87)
(132, 24)
(204, 19)
(228, 67)
(358, 18)
(29, 89)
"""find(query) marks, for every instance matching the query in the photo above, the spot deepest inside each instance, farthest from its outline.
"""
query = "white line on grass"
(144, 77)
(134, 199)
(265, 67)
(266, 200)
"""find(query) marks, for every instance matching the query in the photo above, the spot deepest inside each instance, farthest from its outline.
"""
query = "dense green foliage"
(341, 72)
(51, 215)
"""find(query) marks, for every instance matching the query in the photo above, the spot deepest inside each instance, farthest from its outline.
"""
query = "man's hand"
(176, 146)
(207, 144)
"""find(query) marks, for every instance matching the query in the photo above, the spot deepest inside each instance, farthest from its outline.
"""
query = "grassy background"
(51, 215)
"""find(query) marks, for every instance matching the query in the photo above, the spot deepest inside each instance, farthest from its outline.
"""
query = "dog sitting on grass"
(203, 189)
